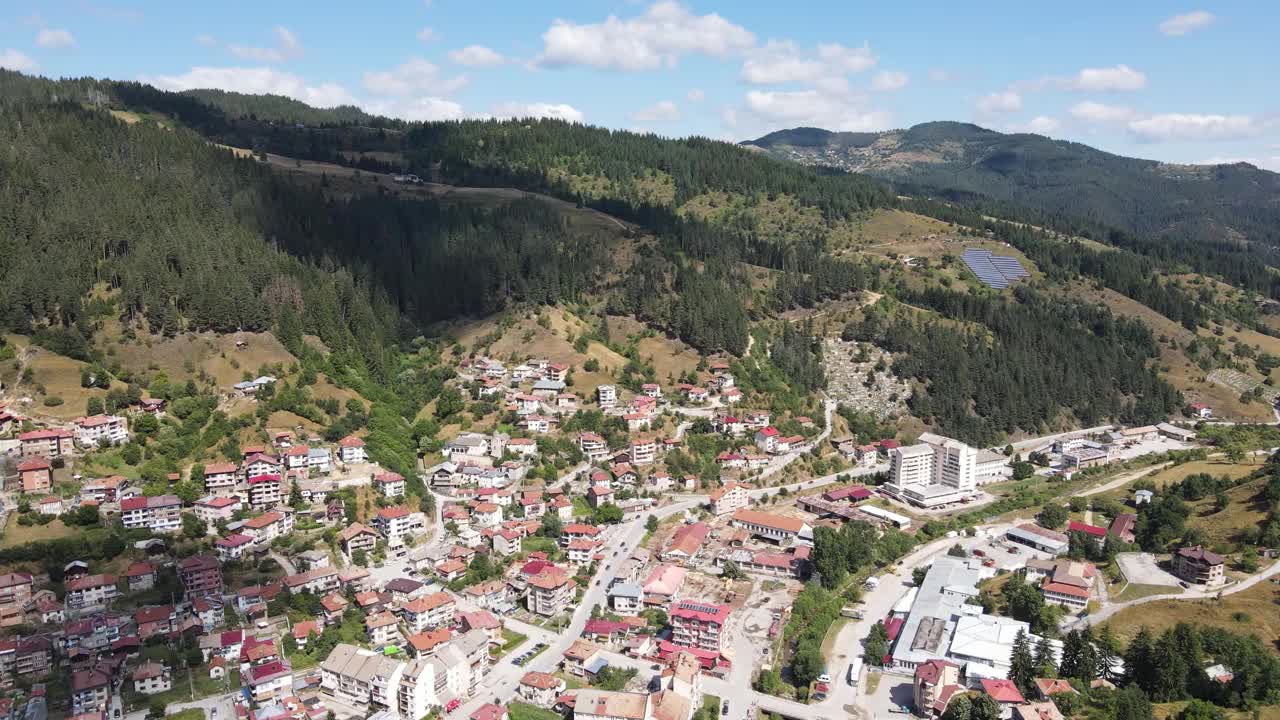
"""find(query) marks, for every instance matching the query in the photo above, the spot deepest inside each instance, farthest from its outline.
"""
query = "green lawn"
(510, 641)
(539, 544)
(1134, 591)
(189, 714)
(525, 711)
(181, 691)
(580, 506)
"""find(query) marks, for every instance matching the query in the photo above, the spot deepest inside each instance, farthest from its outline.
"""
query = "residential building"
(35, 475)
(232, 547)
(158, 514)
(90, 692)
(268, 526)
(593, 447)
(95, 429)
(357, 536)
(319, 581)
(15, 595)
(698, 625)
(220, 479)
(643, 450)
(594, 704)
(265, 491)
(428, 612)
(729, 498)
(606, 396)
(598, 495)
(351, 450)
(397, 522)
(50, 443)
(91, 593)
(382, 629)
(550, 593)
(152, 678)
(541, 689)
(931, 678)
(626, 598)
(1198, 565)
(201, 576)
(214, 509)
(389, 484)
(1123, 526)
(776, 528)
(269, 681)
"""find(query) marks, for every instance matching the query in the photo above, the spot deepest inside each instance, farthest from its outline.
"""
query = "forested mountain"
(185, 235)
(958, 160)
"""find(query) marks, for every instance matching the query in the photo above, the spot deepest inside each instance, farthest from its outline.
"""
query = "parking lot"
(997, 550)
(1141, 569)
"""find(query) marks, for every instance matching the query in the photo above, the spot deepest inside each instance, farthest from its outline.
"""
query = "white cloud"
(780, 62)
(255, 80)
(1000, 102)
(811, 107)
(426, 34)
(476, 56)
(1190, 126)
(206, 40)
(413, 77)
(287, 48)
(556, 111)
(1182, 24)
(1118, 78)
(52, 39)
(1039, 125)
(1266, 163)
(11, 59)
(661, 111)
(889, 80)
(846, 59)
(664, 33)
(420, 109)
(1096, 112)
(695, 95)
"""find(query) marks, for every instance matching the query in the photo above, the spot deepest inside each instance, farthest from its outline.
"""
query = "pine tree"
(1045, 666)
(1022, 665)
(1139, 664)
(1107, 655)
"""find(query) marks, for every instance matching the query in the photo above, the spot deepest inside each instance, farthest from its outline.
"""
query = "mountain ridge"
(952, 160)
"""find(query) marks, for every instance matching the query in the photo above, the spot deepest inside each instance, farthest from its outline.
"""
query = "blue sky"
(1170, 82)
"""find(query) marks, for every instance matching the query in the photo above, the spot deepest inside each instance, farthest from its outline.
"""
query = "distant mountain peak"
(945, 158)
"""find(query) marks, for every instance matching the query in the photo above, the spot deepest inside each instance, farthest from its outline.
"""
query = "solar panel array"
(996, 271)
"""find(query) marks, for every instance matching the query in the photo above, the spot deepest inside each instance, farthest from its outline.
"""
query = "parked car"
(724, 709)
(453, 705)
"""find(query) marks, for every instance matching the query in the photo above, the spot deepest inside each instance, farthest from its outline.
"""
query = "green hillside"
(956, 160)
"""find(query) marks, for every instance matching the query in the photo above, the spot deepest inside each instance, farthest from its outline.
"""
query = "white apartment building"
(934, 472)
(606, 395)
(95, 428)
(220, 479)
(361, 677)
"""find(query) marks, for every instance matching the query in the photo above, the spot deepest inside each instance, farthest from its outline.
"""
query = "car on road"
(724, 709)
(824, 678)
(454, 704)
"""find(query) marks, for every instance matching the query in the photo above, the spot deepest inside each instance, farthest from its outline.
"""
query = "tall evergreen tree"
(1022, 664)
